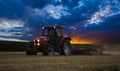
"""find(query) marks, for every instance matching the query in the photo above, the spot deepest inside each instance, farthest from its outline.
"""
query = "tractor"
(52, 40)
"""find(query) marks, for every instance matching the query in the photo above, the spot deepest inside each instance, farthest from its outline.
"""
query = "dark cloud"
(10, 9)
(36, 3)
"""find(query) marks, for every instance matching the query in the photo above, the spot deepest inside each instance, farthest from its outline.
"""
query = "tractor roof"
(53, 27)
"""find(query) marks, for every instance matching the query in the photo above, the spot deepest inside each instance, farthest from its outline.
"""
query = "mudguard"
(63, 39)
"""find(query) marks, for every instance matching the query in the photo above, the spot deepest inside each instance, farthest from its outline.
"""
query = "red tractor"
(51, 41)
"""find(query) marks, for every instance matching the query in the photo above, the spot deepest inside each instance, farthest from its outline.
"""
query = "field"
(18, 61)
(13, 58)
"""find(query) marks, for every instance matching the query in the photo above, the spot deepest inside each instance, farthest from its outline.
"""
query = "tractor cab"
(54, 32)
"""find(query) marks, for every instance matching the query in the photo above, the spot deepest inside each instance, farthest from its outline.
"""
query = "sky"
(85, 21)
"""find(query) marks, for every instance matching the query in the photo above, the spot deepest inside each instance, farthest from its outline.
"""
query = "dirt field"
(18, 61)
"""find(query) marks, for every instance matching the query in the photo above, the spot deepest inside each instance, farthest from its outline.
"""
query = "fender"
(63, 39)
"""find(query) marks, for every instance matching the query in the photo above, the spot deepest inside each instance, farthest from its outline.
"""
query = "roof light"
(43, 27)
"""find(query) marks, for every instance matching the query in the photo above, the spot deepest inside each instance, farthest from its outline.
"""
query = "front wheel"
(66, 49)
(48, 50)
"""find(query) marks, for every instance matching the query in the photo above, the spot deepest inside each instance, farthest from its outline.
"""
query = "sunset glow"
(78, 41)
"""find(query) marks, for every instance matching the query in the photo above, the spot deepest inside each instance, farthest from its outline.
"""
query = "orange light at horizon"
(78, 41)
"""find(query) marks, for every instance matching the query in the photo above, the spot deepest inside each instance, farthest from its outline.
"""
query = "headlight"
(38, 44)
(38, 40)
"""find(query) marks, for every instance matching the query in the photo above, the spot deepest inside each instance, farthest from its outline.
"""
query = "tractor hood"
(40, 41)
(42, 38)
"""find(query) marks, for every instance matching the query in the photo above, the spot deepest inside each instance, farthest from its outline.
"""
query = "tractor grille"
(35, 41)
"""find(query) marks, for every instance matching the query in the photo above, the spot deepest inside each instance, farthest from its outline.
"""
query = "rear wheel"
(48, 50)
(66, 49)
